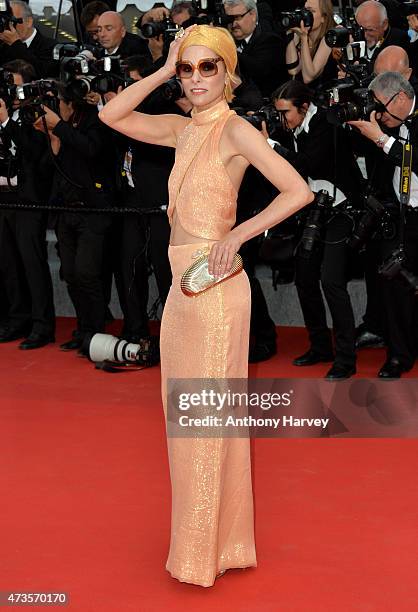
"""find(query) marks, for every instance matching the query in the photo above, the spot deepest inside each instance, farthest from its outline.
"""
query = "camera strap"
(404, 190)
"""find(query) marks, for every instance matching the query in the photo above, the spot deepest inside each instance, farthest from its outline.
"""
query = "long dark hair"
(296, 92)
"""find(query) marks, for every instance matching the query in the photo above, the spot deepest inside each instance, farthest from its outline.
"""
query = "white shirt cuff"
(388, 144)
(272, 142)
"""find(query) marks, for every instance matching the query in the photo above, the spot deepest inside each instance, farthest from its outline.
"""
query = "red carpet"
(86, 499)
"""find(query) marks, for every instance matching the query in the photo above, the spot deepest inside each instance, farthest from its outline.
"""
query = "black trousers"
(399, 300)
(373, 317)
(81, 244)
(142, 244)
(262, 326)
(328, 266)
(25, 271)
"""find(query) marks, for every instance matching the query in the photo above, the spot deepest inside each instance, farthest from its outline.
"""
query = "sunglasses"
(207, 67)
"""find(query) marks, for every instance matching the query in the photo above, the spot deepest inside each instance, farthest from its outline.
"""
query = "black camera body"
(341, 37)
(375, 216)
(292, 19)
(269, 114)
(318, 214)
(33, 96)
(394, 266)
(166, 27)
(172, 89)
(7, 87)
(360, 106)
(409, 8)
(6, 16)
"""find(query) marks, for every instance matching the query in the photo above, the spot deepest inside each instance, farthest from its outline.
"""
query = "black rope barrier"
(82, 208)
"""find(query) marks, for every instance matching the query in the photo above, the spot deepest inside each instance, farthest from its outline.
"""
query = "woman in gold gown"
(207, 336)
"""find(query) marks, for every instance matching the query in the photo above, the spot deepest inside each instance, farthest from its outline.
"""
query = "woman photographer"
(322, 154)
(307, 53)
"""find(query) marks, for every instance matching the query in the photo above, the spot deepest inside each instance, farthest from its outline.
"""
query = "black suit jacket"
(394, 36)
(316, 156)
(34, 166)
(263, 61)
(39, 54)
(132, 45)
(385, 163)
(87, 158)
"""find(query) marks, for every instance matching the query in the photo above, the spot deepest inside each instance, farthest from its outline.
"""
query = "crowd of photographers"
(327, 87)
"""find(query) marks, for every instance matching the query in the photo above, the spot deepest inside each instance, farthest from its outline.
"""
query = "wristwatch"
(382, 140)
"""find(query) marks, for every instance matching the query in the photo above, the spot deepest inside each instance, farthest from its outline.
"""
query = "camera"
(315, 222)
(341, 37)
(393, 267)
(292, 19)
(166, 27)
(83, 74)
(107, 348)
(32, 96)
(6, 16)
(7, 87)
(360, 107)
(214, 14)
(376, 214)
(409, 8)
(269, 114)
(172, 89)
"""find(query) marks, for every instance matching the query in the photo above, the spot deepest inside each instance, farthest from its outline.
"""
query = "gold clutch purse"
(197, 279)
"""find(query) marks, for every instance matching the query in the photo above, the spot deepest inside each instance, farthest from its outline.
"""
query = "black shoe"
(392, 369)
(366, 339)
(340, 372)
(9, 333)
(36, 340)
(72, 345)
(262, 352)
(311, 357)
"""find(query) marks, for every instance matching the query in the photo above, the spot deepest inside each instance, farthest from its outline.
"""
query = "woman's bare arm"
(313, 67)
(119, 113)
(250, 144)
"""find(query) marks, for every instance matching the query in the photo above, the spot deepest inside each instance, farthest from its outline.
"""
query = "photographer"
(23, 253)
(114, 38)
(307, 53)
(89, 19)
(323, 155)
(24, 42)
(261, 55)
(413, 53)
(84, 174)
(388, 130)
(372, 17)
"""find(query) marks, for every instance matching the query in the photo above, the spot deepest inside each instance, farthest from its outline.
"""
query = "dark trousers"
(81, 244)
(262, 326)
(399, 300)
(143, 243)
(25, 271)
(373, 317)
(328, 266)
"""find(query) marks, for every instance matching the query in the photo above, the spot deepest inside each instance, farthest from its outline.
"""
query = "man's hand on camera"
(370, 129)
(4, 115)
(155, 14)
(50, 118)
(93, 98)
(10, 36)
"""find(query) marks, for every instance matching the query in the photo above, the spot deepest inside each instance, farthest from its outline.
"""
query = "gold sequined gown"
(206, 336)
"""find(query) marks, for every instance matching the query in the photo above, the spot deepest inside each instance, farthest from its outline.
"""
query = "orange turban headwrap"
(220, 41)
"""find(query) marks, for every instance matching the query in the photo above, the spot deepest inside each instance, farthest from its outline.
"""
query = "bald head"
(393, 59)
(111, 30)
(373, 18)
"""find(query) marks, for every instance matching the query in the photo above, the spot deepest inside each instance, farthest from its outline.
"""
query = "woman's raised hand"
(173, 53)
